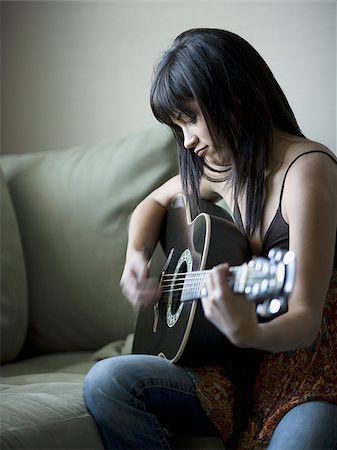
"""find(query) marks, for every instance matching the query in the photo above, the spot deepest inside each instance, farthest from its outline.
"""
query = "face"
(196, 134)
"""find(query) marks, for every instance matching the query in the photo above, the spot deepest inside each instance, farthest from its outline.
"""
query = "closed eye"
(192, 120)
(187, 119)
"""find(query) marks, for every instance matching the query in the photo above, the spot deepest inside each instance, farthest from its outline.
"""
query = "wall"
(79, 71)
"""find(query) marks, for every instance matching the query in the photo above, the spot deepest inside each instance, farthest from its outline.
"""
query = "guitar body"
(178, 330)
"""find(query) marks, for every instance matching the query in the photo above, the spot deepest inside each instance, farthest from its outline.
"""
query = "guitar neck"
(258, 279)
(190, 284)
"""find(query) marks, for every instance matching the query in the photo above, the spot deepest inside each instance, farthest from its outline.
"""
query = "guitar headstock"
(268, 281)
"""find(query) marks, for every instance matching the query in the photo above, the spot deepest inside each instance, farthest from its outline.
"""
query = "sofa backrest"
(13, 283)
(72, 208)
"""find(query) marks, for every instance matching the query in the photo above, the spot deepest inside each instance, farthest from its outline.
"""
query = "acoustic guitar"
(176, 328)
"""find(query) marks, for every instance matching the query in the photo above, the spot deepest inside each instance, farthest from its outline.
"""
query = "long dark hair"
(240, 100)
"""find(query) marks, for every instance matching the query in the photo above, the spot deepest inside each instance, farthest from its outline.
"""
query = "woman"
(238, 140)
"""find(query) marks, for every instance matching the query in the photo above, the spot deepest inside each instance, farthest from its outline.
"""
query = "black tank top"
(277, 234)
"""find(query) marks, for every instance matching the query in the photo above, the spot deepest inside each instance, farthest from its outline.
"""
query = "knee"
(99, 380)
(109, 378)
(92, 383)
(310, 425)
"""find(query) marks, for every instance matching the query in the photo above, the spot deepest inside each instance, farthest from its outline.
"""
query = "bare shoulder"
(311, 159)
(304, 157)
(312, 176)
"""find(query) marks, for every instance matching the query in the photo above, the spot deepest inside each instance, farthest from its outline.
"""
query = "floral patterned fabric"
(284, 380)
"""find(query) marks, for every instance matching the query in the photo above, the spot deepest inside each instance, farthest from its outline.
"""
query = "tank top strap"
(291, 164)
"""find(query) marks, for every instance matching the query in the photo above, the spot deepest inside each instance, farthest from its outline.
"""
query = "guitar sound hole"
(178, 288)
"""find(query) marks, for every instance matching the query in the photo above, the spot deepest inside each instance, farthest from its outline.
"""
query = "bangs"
(170, 94)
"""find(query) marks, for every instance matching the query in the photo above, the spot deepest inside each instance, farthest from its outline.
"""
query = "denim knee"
(110, 393)
(311, 425)
(108, 376)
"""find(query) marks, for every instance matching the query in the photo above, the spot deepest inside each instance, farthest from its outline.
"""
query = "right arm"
(144, 229)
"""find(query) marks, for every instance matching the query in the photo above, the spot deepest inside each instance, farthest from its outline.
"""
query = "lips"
(201, 151)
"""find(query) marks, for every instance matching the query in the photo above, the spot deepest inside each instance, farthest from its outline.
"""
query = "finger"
(203, 291)
(220, 275)
(205, 288)
(221, 270)
(146, 292)
(208, 300)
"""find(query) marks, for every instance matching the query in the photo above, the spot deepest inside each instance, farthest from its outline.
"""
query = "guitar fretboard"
(189, 285)
(255, 279)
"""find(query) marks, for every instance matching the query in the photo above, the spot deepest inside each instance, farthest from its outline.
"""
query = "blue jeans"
(135, 399)
(309, 426)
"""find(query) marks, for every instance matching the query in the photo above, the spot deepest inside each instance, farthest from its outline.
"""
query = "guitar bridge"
(155, 317)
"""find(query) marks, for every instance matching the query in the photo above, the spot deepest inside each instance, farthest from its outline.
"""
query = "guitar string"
(193, 274)
(189, 283)
(186, 282)
(183, 284)
(176, 289)
(191, 287)
(190, 278)
(176, 283)
(175, 300)
(179, 286)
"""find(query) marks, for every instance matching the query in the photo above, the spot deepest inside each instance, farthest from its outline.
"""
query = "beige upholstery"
(64, 219)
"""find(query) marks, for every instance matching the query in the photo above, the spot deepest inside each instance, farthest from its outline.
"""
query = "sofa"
(64, 221)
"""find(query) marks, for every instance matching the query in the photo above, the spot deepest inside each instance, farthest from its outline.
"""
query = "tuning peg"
(269, 308)
(264, 286)
(271, 253)
(276, 254)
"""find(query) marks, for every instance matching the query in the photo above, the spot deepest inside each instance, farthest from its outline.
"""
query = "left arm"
(309, 207)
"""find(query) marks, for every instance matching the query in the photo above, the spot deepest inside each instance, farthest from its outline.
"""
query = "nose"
(190, 139)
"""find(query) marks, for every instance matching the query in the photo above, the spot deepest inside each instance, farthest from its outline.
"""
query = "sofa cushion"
(51, 414)
(46, 415)
(51, 367)
(43, 367)
(13, 289)
(73, 208)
